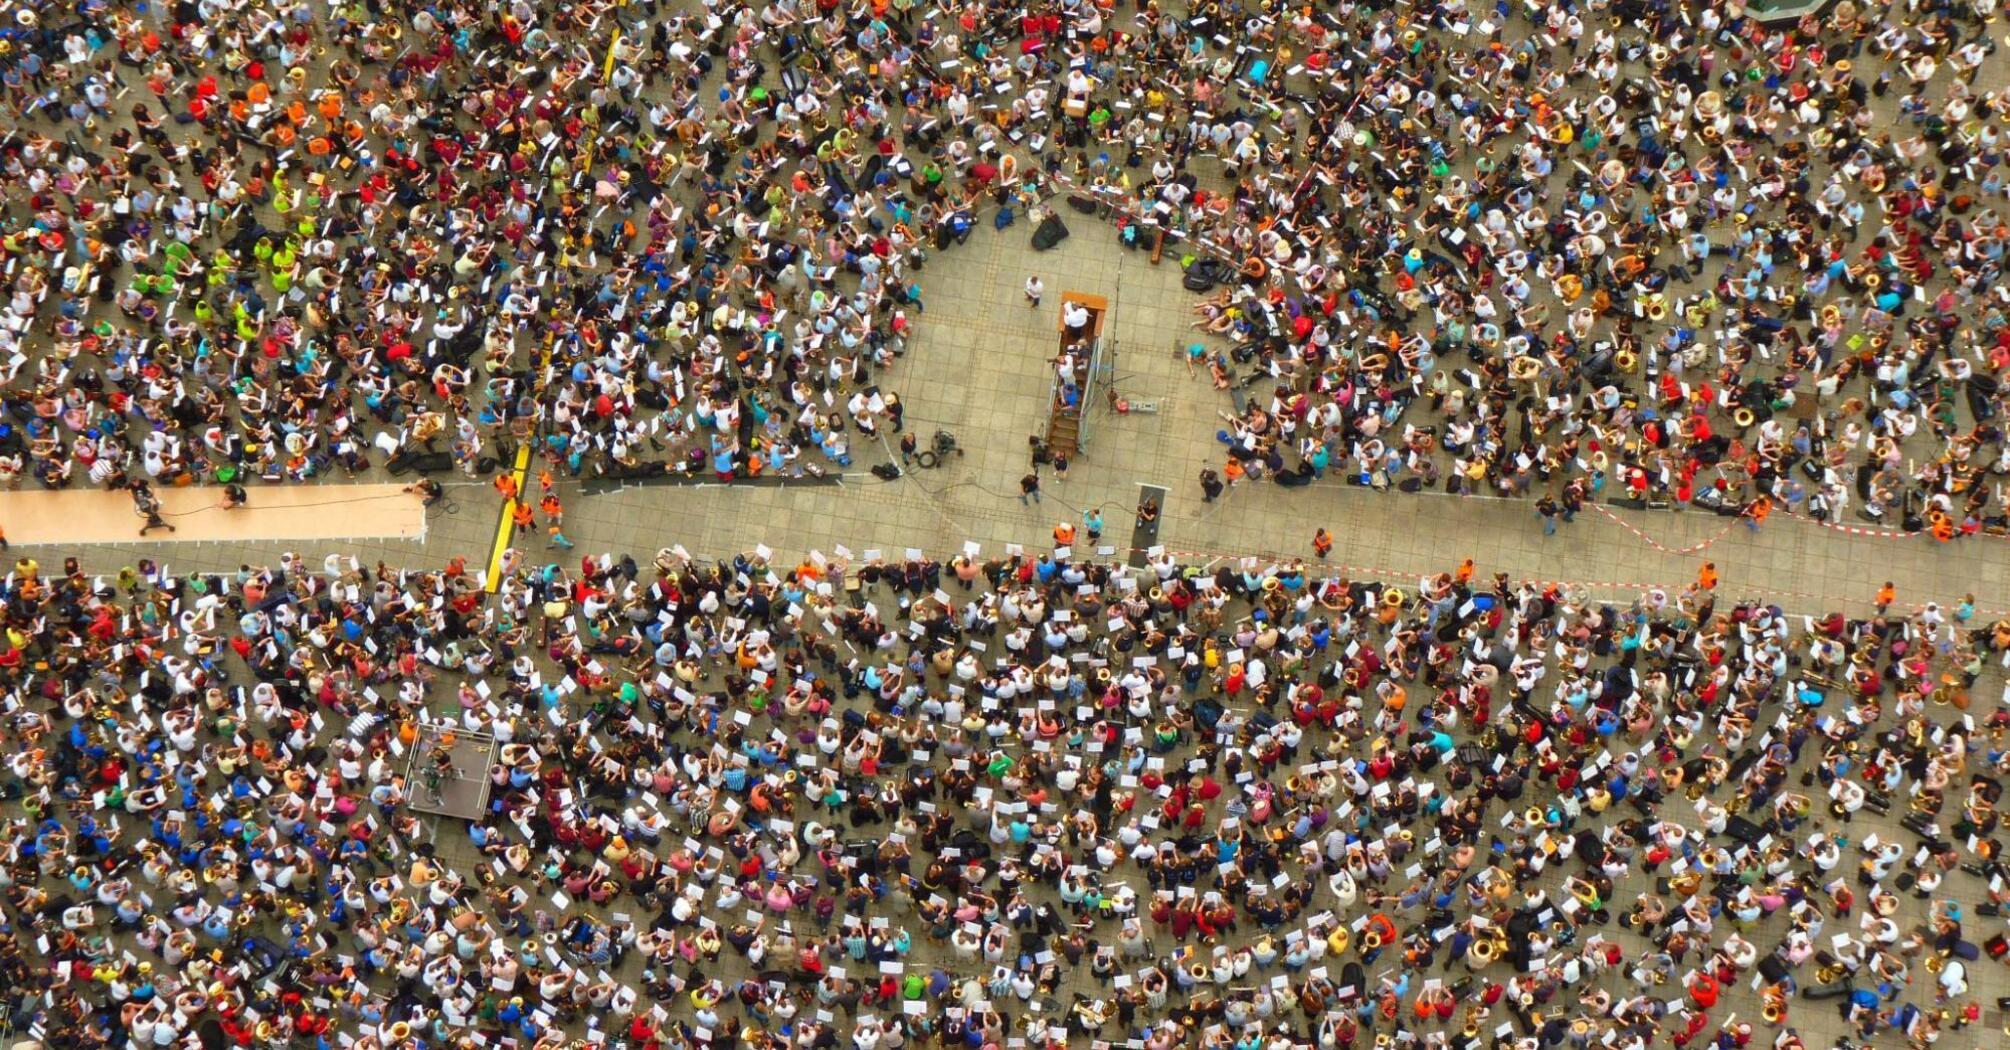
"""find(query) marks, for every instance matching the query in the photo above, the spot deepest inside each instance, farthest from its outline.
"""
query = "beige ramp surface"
(304, 512)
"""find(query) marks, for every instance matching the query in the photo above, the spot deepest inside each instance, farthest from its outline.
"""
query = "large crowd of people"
(1571, 250)
(1716, 263)
(1620, 250)
(879, 803)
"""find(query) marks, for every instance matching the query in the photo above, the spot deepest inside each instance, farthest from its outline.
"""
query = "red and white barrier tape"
(1693, 548)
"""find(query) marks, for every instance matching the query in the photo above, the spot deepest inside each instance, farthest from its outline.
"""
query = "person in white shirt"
(1033, 290)
(1076, 316)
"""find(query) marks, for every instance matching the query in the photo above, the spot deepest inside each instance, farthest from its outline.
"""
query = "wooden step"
(1063, 435)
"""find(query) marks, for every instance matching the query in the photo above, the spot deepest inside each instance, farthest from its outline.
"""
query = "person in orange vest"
(524, 518)
(1465, 574)
(506, 485)
(1755, 514)
(1064, 535)
(1706, 577)
(1322, 543)
(1885, 596)
(554, 519)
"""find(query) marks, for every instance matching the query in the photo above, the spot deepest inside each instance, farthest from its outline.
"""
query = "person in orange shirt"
(525, 520)
(1885, 596)
(1233, 472)
(554, 519)
(1755, 514)
(1322, 543)
(1465, 573)
(1706, 577)
(1064, 535)
(506, 485)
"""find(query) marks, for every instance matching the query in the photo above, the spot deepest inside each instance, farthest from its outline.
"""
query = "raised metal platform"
(460, 791)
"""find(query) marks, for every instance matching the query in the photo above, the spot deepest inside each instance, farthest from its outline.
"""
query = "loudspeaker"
(423, 462)
(1744, 831)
